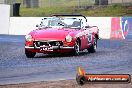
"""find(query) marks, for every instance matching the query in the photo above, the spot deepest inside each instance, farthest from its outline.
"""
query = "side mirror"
(87, 26)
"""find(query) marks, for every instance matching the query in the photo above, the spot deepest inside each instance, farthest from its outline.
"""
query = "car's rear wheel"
(93, 47)
(76, 48)
(29, 54)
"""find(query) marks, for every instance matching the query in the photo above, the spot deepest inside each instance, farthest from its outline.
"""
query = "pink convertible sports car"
(61, 34)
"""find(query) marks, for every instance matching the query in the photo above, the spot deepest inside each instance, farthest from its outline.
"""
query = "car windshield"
(61, 22)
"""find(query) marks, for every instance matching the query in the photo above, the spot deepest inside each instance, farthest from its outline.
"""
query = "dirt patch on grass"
(65, 84)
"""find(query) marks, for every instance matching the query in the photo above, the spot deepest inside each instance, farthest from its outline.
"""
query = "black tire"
(76, 50)
(81, 80)
(29, 54)
(93, 47)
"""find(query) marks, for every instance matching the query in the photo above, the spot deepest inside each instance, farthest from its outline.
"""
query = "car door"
(85, 32)
(88, 34)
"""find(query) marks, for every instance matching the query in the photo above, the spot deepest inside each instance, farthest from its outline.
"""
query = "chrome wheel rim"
(95, 44)
(77, 47)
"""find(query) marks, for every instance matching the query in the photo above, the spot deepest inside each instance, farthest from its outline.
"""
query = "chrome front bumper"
(49, 46)
(52, 47)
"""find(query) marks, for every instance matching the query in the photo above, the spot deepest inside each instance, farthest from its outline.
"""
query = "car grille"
(48, 43)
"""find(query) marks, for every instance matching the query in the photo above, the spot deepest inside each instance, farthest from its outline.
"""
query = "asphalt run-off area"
(112, 56)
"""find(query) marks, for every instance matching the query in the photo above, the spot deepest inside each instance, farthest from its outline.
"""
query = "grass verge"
(114, 10)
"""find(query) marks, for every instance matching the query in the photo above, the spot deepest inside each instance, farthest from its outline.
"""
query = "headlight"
(68, 38)
(28, 38)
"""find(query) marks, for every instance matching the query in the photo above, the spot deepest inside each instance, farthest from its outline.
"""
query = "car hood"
(52, 34)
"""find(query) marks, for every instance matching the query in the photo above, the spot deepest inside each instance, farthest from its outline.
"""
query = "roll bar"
(70, 15)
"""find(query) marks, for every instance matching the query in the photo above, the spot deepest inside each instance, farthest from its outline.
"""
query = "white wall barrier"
(104, 25)
(4, 18)
(23, 25)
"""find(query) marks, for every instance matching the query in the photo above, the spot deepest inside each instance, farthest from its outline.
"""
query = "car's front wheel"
(76, 48)
(29, 54)
(93, 47)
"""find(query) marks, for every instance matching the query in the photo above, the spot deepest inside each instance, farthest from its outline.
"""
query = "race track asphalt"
(112, 56)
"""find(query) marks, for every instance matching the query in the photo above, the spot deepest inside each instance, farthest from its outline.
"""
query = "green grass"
(40, 12)
(109, 11)
(114, 10)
